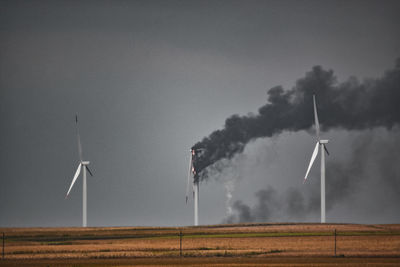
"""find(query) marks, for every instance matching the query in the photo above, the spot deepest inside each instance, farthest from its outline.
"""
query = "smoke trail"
(373, 161)
(229, 188)
(349, 105)
(267, 204)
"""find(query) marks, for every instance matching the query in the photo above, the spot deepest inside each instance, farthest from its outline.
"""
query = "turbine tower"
(83, 164)
(322, 145)
(192, 174)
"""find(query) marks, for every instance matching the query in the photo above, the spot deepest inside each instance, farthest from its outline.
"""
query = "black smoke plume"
(350, 105)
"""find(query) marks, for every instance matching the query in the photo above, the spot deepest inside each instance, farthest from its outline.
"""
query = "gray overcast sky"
(151, 78)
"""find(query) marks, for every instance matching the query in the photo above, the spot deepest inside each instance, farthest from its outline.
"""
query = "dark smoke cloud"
(267, 201)
(244, 213)
(351, 105)
(269, 206)
(374, 159)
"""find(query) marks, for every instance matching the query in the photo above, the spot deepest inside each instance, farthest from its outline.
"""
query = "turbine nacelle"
(196, 151)
(83, 164)
(323, 141)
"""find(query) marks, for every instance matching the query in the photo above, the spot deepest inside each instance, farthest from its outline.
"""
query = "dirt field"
(222, 245)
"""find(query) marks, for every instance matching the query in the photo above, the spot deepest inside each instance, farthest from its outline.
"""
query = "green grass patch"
(287, 234)
(19, 252)
(363, 233)
(269, 234)
(57, 243)
(253, 253)
(275, 251)
(204, 248)
(68, 239)
(224, 254)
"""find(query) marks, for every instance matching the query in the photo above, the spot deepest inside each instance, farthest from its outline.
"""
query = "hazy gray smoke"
(349, 105)
(267, 203)
(374, 159)
(244, 213)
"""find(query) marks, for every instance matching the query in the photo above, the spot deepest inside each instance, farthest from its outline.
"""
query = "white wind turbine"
(192, 173)
(322, 144)
(78, 170)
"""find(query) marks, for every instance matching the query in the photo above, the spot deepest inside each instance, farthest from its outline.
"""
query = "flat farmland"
(304, 244)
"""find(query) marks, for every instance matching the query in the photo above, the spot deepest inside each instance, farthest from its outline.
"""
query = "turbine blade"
(316, 118)
(327, 152)
(78, 171)
(87, 168)
(188, 179)
(79, 139)
(314, 155)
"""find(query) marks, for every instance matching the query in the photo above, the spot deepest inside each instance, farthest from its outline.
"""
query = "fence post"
(3, 245)
(180, 243)
(335, 242)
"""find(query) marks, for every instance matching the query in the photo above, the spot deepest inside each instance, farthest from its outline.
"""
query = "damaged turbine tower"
(195, 183)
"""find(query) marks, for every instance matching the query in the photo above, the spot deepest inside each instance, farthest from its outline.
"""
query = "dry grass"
(246, 241)
(215, 261)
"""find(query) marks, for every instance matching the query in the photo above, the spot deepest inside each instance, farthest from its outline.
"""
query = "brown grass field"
(304, 244)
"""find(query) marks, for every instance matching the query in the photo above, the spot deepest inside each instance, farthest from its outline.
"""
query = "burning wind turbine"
(83, 164)
(322, 144)
(195, 184)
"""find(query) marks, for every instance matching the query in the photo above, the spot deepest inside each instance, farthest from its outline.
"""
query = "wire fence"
(196, 242)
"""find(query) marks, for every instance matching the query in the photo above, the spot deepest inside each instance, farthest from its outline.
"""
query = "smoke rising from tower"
(351, 105)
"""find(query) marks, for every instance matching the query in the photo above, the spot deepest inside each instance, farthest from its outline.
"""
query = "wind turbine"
(83, 164)
(192, 174)
(322, 144)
